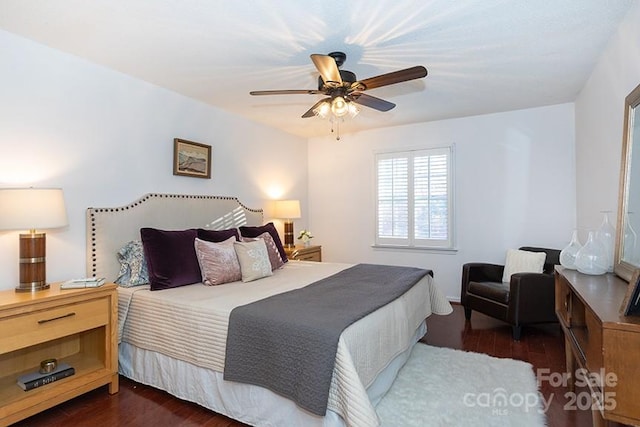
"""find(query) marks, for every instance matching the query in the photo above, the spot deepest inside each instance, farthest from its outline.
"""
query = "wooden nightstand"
(304, 253)
(76, 326)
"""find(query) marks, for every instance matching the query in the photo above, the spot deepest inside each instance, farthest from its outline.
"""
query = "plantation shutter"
(414, 198)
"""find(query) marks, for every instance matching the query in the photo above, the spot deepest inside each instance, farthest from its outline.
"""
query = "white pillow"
(254, 259)
(523, 262)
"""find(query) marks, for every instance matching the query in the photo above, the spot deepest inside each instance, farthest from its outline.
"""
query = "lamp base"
(32, 262)
(288, 234)
(32, 287)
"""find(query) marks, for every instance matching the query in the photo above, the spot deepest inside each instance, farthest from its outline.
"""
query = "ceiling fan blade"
(407, 74)
(371, 101)
(310, 112)
(328, 69)
(286, 92)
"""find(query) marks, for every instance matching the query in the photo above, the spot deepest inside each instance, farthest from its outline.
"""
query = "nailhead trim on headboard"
(92, 215)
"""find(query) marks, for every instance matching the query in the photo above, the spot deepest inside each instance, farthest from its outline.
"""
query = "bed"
(175, 339)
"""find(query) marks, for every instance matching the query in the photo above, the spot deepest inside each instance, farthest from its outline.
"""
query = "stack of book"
(36, 379)
(89, 282)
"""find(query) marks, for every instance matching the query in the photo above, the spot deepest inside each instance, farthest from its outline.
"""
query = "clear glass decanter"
(592, 257)
(568, 254)
(606, 234)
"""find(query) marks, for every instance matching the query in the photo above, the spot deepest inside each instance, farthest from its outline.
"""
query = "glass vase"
(568, 254)
(592, 257)
(606, 234)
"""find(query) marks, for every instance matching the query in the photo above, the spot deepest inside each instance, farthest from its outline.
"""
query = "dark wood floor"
(139, 405)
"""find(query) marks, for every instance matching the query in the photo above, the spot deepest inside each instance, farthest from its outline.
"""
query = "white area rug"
(445, 387)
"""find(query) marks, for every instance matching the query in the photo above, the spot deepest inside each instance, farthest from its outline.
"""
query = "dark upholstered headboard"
(109, 229)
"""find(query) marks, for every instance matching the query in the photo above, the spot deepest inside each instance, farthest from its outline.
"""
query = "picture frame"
(191, 159)
(631, 302)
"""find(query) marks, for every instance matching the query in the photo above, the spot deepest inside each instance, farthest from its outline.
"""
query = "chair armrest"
(531, 298)
(479, 272)
(482, 272)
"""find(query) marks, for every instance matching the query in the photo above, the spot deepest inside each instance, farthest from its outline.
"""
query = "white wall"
(599, 122)
(514, 184)
(107, 139)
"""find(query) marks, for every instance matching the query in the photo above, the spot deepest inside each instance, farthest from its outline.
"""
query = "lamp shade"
(287, 209)
(32, 208)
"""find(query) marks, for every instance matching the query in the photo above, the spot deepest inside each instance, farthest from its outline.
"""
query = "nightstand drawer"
(304, 253)
(45, 325)
(314, 256)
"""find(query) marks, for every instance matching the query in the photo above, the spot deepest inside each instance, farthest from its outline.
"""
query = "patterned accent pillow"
(249, 231)
(254, 260)
(274, 256)
(218, 261)
(133, 266)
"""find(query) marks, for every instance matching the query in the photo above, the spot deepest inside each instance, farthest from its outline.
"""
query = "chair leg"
(517, 332)
(467, 313)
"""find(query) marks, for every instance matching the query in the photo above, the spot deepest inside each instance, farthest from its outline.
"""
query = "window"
(414, 198)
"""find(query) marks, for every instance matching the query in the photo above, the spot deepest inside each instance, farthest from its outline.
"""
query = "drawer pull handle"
(40, 322)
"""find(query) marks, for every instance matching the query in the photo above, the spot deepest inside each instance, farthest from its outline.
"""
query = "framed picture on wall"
(191, 159)
(631, 302)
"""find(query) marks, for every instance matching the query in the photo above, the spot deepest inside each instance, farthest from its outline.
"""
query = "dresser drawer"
(45, 325)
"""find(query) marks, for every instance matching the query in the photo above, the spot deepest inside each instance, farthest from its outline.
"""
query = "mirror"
(627, 251)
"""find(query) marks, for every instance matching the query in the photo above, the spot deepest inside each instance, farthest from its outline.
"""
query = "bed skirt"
(208, 388)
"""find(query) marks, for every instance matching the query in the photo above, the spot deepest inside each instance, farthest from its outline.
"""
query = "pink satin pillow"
(218, 261)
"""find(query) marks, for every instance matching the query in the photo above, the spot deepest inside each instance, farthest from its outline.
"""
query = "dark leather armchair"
(528, 298)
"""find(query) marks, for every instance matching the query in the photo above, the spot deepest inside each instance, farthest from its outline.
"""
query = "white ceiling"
(483, 56)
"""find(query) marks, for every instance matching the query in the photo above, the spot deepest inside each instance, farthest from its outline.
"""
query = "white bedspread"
(190, 324)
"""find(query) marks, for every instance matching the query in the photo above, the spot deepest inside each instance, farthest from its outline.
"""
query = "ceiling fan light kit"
(335, 110)
(338, 106)
(344, 90)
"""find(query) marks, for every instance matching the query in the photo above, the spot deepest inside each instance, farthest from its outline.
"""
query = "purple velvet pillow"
(218, 236)
(247, 231)
(171, 257)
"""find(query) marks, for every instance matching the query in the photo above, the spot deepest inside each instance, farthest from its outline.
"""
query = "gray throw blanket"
(288, 342)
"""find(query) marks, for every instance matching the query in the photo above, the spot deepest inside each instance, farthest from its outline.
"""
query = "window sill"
(444, 251)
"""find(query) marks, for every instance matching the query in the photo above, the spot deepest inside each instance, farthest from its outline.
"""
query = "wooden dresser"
(76, 326)
(304, 253)
(598, 340)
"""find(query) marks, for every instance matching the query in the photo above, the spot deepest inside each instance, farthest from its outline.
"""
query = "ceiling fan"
(342, 87)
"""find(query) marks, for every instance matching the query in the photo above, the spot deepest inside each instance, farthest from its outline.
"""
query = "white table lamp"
(31, 209)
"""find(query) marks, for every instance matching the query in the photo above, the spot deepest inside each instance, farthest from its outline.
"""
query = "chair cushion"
(522, 262)
(495, 291)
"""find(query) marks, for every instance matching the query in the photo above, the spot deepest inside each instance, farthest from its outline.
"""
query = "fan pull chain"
(336, 122)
